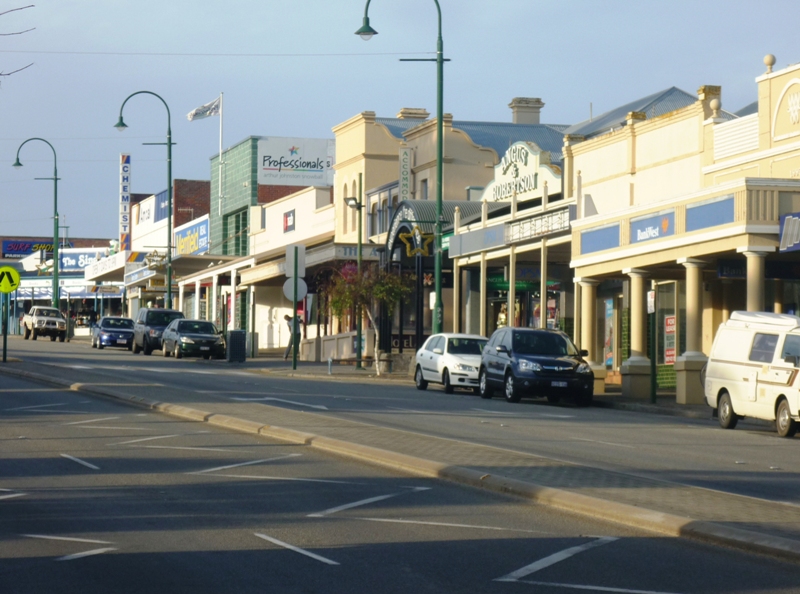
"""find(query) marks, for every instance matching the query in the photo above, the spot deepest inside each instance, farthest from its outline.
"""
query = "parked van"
(753, 370)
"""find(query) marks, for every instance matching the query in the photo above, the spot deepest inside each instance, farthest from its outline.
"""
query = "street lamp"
(56, 261)
(366, 32)
(358, 204)
(121, 126)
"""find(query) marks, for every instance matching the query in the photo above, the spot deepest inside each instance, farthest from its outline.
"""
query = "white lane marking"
(60, 412)
(536, 414)
(152, 447)
(333, 510)
(261, 392)
(280, 478)
(553, 559)
(286, 545)
(593, 588)
(620, 445)
(449, 525)
(245, 464)
(91, 421)
(126, 428)
(144, 439)
(78, 366)
(79, 461)
(70, 539)
(11, 496)
(85, 554)
(38, 406)
(409, 410)
(317, 406)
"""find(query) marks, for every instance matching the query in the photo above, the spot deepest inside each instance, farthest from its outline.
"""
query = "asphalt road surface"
(96, 496)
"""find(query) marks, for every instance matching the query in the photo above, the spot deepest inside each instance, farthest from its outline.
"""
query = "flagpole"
(220, 152)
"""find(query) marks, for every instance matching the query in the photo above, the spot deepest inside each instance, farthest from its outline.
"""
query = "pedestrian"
(294, 333)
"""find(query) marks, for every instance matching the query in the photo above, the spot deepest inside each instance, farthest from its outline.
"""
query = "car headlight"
(155, 333)
(462, 367)
(186, 340)
(525, 365)
(584, 368)
(40, 322)
(104, 335)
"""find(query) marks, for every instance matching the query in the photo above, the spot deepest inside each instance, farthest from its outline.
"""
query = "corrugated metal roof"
(424, 214)
(398, 125)
(501, 135)
(747, 110)
(653, 106)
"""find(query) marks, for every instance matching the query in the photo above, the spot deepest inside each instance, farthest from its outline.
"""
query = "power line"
(215, 55)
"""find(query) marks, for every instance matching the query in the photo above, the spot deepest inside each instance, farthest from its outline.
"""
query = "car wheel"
(26, 333)
(206, 357)
(34, 334)
(135, 347)
(784, 422)
(164, 349)
(512, 394)
(146, 348)
(448, 387)
(727, 418)
(483, 385)
(553, 398)
(419, 380)
(130, 346)
(177, 351)
(584, 398)
(62, 336)
(476, 390)
(94, 344)
(53, 338)
(100, 345)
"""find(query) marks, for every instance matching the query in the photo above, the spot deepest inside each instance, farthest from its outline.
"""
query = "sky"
(296, 69)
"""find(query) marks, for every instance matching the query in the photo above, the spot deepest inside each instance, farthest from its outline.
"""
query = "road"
(96, 496)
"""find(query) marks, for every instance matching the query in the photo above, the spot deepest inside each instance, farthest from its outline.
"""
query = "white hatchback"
(452, 360)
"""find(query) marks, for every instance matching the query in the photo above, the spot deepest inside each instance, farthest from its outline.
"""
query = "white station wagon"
(452, 360)
(753, 370)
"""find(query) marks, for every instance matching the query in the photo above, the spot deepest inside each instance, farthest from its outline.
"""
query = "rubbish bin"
(237, 346)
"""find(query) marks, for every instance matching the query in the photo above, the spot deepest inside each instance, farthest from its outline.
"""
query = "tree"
(15, 33)
(345, 289)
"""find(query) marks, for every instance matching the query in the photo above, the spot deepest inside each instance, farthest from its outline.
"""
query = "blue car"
(113, 331)
(539, 363)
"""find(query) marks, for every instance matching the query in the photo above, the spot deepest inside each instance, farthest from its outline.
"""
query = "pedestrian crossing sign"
(9, 279)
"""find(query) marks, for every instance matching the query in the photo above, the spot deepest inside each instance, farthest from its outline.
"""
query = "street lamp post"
(359, 206)
(121, 126)
(366, 32)
(56, 261)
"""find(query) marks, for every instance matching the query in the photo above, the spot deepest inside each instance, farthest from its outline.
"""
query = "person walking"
(294, 333)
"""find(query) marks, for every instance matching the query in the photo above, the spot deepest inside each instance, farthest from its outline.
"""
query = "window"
(543, 343)
(436, 343)
(423, 189)
(465, 346)
(791, 346)
(345, 210)
(763, 348)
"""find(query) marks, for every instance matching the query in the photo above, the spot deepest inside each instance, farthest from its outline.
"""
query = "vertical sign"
(124, 202)
(669, 340)
(608, 345)
(406, 162)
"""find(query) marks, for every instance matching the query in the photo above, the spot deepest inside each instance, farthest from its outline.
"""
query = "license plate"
(122, 341)
(559, 384)
(205, 348)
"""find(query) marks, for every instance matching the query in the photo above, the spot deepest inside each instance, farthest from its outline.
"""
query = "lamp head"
(120, 125)
(351, 202)
(366, 32)
(17, 164)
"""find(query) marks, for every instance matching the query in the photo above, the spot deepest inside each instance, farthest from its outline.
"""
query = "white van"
(753, 370)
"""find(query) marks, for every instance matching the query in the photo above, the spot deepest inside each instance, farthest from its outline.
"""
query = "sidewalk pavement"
(667, 508)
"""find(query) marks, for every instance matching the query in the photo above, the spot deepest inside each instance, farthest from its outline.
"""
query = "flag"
(205, 111)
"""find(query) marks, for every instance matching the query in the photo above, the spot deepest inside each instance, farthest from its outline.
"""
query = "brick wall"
(191, 199)
(267, 194)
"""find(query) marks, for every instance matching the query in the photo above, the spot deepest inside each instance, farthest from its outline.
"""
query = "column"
(180, 297)
(213, 301)
(755, 278)
(482, 304)
(196, 313)
(689, 388)
(635, 370)
(456, 296)
(777, 299)
(512, 286)
(232, 321)
(589, 331)
(727, 287)
(576, 312)
(543, 285)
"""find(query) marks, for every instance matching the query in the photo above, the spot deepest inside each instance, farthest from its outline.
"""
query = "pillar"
(589, 332)
(196, 313)
(727, 287)
(456, 296)
(689, 388)
(180, 297)
(482, 304)
(777, 299)
(512, 286)
(543, 285)
(214, 301)
(576, 312)
(635, 370)
(755, 278)
(232, 321)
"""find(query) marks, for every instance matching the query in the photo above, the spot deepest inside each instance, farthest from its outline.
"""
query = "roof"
(653, 106)
(422, 214)
(397, 126)
(747, 110)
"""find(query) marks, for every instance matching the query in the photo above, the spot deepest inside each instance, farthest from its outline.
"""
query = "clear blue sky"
(305, 71)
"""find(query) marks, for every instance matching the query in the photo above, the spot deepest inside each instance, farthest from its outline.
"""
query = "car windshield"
(465, 346)
(118, 324)
(49, 313)
(197, 328)
(542, 343)
(162, 318)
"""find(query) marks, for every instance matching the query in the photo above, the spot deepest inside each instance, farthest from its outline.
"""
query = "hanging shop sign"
(405, 185)
(295, 161)
(124, 202)
(653, 227)
(191, 239)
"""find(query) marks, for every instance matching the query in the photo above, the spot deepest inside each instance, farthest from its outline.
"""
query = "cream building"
(678, 196)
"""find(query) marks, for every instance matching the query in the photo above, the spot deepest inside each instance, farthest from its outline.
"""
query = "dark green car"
(193, 338)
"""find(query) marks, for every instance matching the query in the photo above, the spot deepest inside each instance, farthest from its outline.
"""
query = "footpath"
(669, 509)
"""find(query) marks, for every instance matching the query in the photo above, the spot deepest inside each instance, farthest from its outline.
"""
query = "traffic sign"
(301, 260)
(288, 289)
(9, 279)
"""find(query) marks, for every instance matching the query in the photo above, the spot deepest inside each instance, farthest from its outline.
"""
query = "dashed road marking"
(451, 525)
(286, 545)
(38, 406)
(525, 416)
(620, 445)
(244, 464)
(517, 575)
(592, 588)
(155, 447)
(317, 406)
(11, 495)
(86, 554)
(79, 461)
(91, 421)
(281, 478)
(67, 538)
(144, 439)
(347, 506)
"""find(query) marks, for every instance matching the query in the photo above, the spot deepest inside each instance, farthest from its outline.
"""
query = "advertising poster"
(669, 340)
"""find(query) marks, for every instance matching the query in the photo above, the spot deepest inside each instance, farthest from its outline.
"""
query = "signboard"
(161, 206)
(288, 289)
(651, 302)
(405, 185)
(653, 227)
(295, 161)
(146, 211)
(602, 238)
(301, 260)
(288, 221)
(17, 249)
(191, 239)
(669, 340)
(9, 279)
(790, 232)
(124, 202)
(710, 213)
(77, 261)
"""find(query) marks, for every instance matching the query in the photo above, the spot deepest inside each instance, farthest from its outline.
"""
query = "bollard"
(330, 365)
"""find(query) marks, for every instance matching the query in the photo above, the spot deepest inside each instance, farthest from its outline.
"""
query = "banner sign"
(16, 249)
(669, 340)
(77, 261)
(192, 239)
(405, 184)
(789, 233)
(295, 161)
(653, 227)
(162, 206)
(124, 202)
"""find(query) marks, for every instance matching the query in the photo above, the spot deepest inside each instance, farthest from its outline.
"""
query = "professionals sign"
(191, 239)
(124, 202)
(653, 227)
(295, 161)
